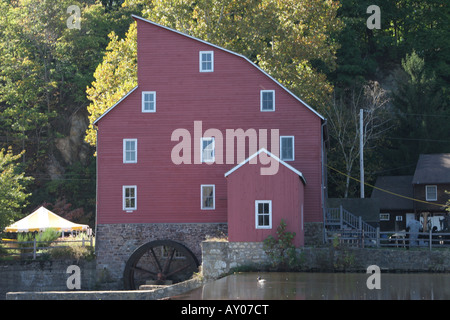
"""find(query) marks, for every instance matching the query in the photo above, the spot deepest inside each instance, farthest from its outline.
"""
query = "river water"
(323, 286)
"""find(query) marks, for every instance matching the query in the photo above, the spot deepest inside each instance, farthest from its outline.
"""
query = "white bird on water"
(261, 280)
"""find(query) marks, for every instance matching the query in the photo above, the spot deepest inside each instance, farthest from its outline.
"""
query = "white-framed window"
(129, 150)
(263, 214)
(267, 99)
(431, 193)
(207, 149)
(206, 61)
(148, 101)
(208, 196)
(398, 218)
(287, 148)
(129, 196)
(384, 216)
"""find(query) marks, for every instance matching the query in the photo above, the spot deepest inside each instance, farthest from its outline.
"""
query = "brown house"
(419, 197)
(395, 211)
(430, 182)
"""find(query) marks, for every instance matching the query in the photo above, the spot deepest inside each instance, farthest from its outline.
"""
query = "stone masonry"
(116, 242)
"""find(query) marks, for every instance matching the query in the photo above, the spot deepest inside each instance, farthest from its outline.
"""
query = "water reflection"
(324, 286)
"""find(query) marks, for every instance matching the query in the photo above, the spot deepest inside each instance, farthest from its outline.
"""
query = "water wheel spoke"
(169, 261)
(135, 268)
(178, 270)
(156, 260)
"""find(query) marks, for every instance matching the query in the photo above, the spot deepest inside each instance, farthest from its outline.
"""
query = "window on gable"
(129, 198)
(287, 148)
(208, 197)
(206, 61)
(263, 214)
(431, 193)
(267, 100)
(129, 150)
(207, 149)
(148, 101)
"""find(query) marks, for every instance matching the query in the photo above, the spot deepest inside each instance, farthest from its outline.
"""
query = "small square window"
(287, 148)
(431, 193)
(129, 150)
(398, 218)
(206, 61)
(267, 100)
(207, 150)
(208, 197)
(129, 198)
(148, 101)
(263, 214)
(384, 217)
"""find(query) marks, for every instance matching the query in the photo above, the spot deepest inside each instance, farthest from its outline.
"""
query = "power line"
(411, 139)
(387, 191)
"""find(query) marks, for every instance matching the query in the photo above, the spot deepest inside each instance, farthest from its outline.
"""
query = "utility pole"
(361, 151)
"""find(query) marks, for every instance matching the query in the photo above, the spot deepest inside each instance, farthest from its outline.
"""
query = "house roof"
(432, 168)
(220, 48)
(366, 208)
(396, 189)
(271, 155)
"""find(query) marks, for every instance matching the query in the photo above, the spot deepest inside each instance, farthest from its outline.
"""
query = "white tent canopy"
(43, 219)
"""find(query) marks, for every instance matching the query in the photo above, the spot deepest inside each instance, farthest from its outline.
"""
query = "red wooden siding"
(228, 98)
(246, 185)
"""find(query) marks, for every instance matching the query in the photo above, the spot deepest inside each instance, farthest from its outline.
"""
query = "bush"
(281, 251)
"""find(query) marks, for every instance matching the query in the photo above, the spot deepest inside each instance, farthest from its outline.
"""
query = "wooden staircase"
(348, 228)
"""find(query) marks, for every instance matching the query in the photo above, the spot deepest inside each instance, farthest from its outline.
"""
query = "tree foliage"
(13, 183)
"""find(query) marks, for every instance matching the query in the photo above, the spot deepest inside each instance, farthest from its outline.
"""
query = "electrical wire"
(387, 191)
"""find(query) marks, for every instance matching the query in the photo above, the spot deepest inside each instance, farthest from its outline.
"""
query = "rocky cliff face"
(71, 148)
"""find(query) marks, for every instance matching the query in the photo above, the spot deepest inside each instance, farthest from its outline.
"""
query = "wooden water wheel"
(159, 262)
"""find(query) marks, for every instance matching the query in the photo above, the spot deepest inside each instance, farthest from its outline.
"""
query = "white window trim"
(123, 199)
(385, 216)
(398, 218)
(293, 148)
(426, 192)
(214, 149)
(143, 104)
(261, 100)
(214, 196)
(125, 151)
(257, 226)
(200, 61)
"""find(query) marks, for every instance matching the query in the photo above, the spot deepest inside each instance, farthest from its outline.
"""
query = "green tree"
(13, 183)
(421, 115)
(114, 77)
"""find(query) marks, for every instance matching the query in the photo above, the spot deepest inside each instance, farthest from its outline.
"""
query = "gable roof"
(432, 168)
(271, 155)
(220, 48)
(397, 187)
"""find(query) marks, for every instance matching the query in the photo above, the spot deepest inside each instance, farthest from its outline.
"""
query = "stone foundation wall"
(43, 275)
(220, 258)
(116, 242)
